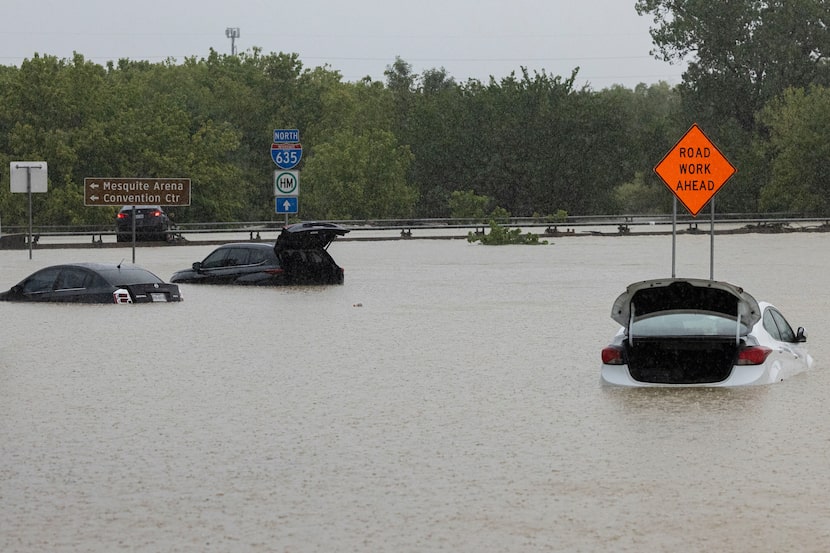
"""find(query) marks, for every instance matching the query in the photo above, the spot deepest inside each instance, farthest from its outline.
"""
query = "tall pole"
(712, 242)
(29, 191)
(674, 238)
(232, 33)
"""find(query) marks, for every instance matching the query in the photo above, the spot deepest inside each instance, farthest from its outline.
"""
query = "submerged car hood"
(651, 296)
(308, 236)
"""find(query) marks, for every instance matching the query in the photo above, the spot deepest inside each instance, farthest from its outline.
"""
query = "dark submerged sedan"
(93, 283)
(151, 223)
(299, 256)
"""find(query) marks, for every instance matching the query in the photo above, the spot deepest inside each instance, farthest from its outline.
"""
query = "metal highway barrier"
(16, 237)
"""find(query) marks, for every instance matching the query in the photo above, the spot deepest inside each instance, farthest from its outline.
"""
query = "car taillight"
(612, 355)
(121, 296)
(753, 355)
(156, 213)
(122, 215)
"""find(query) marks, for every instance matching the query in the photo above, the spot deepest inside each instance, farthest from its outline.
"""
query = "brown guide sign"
(131, 191)
(694, 170)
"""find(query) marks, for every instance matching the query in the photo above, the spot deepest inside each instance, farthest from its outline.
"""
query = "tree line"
(423, 145)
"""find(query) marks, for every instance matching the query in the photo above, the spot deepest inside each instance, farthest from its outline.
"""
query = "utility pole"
(232, 33)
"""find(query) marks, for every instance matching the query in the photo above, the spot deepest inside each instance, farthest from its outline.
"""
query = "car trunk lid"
(651, 296)
(308, 236)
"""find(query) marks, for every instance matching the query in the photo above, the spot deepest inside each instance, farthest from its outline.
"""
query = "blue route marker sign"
(287, 204)
(286, 156)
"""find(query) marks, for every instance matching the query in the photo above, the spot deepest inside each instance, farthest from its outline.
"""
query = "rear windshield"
(695, 323)
(129, 275)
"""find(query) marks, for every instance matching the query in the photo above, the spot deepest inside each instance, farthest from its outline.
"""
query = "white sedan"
(697, 332)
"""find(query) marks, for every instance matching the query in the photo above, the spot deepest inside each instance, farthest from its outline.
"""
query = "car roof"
(111, 270)
(130, 207)
(685, 294)
(308, 236)
(249, 245)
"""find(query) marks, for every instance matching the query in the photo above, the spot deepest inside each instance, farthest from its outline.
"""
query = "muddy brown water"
(445, 398)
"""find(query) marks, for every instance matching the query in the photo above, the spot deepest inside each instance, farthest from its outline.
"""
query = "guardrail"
(16, 236)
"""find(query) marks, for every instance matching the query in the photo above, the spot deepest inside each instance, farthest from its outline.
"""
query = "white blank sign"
(19, 171)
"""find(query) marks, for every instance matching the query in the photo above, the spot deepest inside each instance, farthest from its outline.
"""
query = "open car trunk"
(301, 249)
(683, 331)
(683, 360)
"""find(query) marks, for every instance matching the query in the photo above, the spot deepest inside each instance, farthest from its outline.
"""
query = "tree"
(799, 144)
(358, 176)
(744, 52)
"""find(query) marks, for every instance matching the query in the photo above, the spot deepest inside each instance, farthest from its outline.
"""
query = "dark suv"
(151, 223)
(299, 256)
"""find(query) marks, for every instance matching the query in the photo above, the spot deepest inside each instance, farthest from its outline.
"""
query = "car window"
(127, 275)
(256, 256)
(784, 332)
(41, 281)
(237, 256)
(694, 323)
(770, 326)
(73, 278)
(216, 259)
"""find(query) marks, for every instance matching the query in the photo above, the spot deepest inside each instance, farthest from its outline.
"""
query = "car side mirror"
(801, 335)
(197, 266)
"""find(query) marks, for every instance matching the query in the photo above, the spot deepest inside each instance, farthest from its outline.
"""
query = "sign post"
(28, 182)
(286, 152)
(694, 170)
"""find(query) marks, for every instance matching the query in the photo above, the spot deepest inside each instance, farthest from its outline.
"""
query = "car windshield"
(690, 323)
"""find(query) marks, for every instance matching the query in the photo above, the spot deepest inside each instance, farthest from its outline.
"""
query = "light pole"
(232, 33)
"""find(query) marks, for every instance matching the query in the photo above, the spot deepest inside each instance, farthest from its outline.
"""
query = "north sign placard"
(128, 191)
(694, 170)
(286, 183)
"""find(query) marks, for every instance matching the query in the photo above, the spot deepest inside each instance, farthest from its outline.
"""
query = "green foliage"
(799, 124)
(425, 146)
(500, 235)
(744, 53)
(559, 217)
(467, 205)
(358, 176)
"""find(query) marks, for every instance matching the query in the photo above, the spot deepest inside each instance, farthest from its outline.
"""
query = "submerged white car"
(697, 332)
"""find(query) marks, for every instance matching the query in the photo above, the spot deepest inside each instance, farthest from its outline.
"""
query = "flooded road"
(445, 398)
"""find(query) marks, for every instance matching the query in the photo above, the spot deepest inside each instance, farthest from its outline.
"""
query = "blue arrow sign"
(286, 156)
(287, 204)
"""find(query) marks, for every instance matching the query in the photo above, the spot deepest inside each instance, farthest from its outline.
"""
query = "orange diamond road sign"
(694, 170)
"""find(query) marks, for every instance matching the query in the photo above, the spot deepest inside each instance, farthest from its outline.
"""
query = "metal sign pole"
(29, 190)
(133, 235)
(712, 242)
(673, 237)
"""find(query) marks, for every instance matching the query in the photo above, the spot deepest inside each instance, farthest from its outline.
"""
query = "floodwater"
(445, 398)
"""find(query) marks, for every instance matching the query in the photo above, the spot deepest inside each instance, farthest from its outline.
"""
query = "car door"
(39, 286)
(79, 285)
(223, 266)
(791, 353)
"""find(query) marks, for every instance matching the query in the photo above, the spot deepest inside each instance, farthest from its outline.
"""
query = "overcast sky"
(475, 39)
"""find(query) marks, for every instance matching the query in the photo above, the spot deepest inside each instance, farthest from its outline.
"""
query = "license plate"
(158, 297)
(139, 216)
